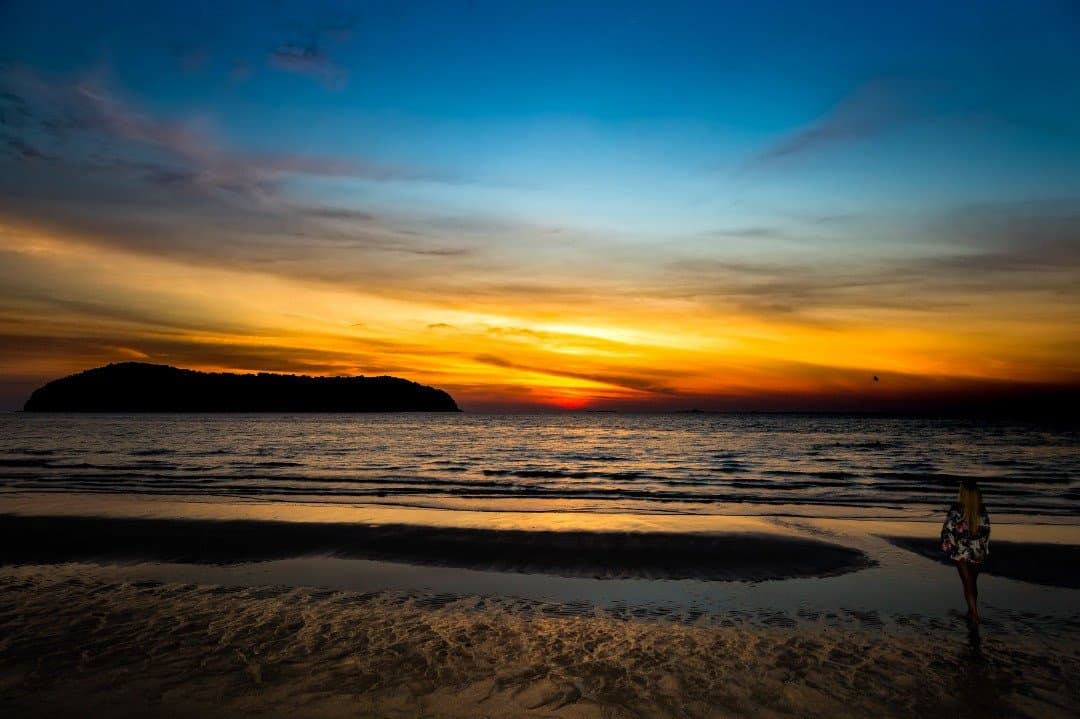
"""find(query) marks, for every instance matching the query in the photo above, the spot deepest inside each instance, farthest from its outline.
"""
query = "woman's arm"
(948, 531)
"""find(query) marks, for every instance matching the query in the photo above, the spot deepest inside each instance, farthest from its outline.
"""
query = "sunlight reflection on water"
(585, 463)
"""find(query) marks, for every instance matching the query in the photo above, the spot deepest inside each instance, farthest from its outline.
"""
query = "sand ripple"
(72, 643)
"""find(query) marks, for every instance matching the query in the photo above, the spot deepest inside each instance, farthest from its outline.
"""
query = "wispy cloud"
(24, 150)
(871, 110)
(311, 57)
(988, 250)
(205, 156)
(309, 60)
(192, 59)
(643, 380)
(62, 112)
(96, 165)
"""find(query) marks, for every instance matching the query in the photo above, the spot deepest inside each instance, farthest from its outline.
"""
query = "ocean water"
(670, 464)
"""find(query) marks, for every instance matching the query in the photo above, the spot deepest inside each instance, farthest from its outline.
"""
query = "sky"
(545, 206)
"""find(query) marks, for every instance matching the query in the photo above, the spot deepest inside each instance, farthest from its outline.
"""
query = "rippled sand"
(74, 642)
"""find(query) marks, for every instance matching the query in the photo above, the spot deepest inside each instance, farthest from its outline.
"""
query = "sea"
(577, 463)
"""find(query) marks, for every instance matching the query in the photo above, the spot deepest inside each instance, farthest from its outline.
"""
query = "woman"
(965, 539)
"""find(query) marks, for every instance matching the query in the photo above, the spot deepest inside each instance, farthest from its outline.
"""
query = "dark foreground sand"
(75, 643)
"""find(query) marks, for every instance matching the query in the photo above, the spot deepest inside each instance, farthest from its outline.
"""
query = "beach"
(145, 630)
(84, 644)
(125, 592)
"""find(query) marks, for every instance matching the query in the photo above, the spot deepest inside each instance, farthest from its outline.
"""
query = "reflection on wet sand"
(77, 642)
(1055, 565)
(978, 691)
(729, 556)
(324, 636)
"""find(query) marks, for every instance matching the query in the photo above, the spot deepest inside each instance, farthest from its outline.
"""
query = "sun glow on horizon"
(225, 319)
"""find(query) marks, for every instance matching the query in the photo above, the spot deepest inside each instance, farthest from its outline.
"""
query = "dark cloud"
(648, 380)
(853, 391)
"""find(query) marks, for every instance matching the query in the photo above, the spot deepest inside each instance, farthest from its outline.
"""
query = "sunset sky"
(554, 205)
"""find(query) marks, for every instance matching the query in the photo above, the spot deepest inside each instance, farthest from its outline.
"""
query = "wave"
(954, 479)
(876, 445)
(23, 462)
(627, 461)
(565, 474)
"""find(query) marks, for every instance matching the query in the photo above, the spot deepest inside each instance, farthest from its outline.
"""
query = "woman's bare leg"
(975, 588)
(968, 575)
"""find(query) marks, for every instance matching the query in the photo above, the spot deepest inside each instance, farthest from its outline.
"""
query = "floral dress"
(959, 543)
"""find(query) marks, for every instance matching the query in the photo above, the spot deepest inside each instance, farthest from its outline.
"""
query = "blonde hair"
(971, 504)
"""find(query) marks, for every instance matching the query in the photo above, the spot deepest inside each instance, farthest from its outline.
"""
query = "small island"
(144, 387)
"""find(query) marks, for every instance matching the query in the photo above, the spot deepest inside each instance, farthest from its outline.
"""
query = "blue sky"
(521, 140)
(665, 114)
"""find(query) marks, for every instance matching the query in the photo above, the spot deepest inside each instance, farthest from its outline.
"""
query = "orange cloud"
(67, 304)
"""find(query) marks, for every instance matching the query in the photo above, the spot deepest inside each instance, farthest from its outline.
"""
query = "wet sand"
(1054, 565)
(739, 556)
(149, 617)
(76, 643)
